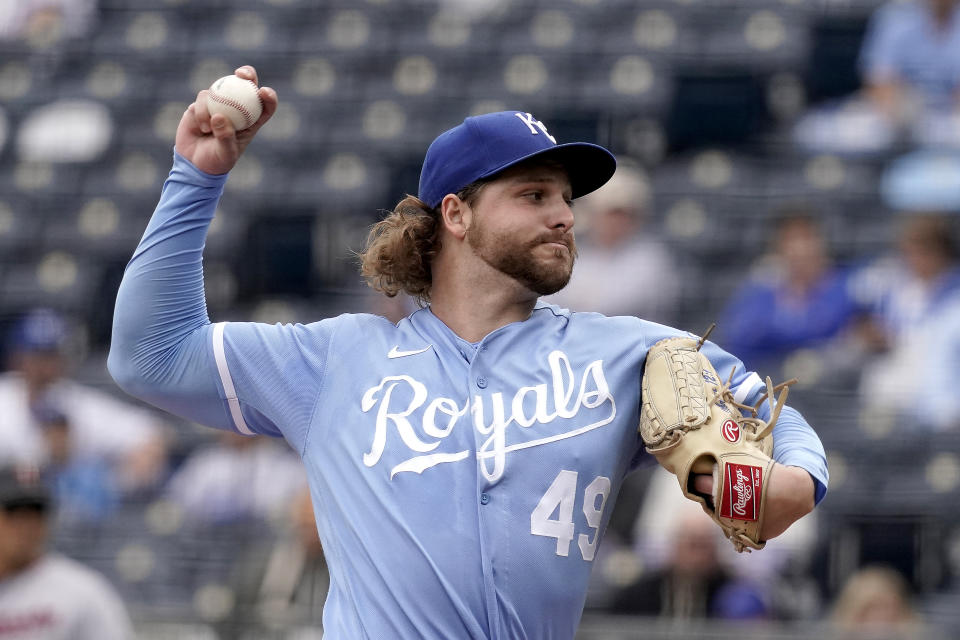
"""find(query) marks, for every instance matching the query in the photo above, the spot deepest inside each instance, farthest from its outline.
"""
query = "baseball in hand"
(237, 99)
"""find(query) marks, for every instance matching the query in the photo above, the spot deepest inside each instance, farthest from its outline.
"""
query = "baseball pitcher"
(463, 463)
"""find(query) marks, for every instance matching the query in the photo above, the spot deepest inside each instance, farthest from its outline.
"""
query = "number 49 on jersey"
(559, 500)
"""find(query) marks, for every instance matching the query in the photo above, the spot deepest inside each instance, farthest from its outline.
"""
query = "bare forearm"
(791, 497)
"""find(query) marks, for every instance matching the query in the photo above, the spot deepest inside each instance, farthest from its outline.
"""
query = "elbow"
(125, 361)
(805, 495)
(118, 364)
(120, 360)
(123, 370)
(808, 502)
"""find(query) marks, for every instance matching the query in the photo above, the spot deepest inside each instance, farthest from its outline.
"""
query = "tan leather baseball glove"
(690, 421)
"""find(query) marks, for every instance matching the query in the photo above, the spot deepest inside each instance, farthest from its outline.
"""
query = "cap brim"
(588, 166)
(35, 500)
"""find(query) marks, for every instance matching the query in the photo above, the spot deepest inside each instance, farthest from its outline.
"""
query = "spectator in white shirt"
(235, 479)
(130, 439)
(46, 596)
(614, 237)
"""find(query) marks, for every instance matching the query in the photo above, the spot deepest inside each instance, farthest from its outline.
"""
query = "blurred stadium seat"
(145, 35)
(57, 279)
(758, 39)
(714, 106)
(653, 28)
(631, 83)
(21, 225)
(834, 46)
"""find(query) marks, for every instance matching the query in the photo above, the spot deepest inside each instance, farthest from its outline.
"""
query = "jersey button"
(484, 498)
(482, 382)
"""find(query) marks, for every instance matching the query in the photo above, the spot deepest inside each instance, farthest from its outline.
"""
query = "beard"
(516, 259)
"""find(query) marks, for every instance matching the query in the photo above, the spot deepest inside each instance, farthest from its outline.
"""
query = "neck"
(802, 283)
(474, 302)
(9, 569)
(473, 324)
(932, 273)
(942, 11)
(36, 388)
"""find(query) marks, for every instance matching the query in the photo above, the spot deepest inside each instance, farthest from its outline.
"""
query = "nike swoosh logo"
(396, 353)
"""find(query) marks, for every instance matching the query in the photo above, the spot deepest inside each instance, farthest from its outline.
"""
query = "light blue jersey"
(461, 489)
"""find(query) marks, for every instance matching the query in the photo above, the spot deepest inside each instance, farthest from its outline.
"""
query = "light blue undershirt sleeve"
(166, 352)
(160, 350)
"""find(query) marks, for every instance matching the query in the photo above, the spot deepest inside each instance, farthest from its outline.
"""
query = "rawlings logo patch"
(742, 484)
(730, 431)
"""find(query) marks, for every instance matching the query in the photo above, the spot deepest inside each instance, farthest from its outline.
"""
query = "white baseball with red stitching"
(237, 99)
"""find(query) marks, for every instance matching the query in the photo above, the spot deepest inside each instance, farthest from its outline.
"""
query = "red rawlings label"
(742, 484)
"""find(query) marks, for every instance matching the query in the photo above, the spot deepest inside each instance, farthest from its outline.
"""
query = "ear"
(455, 215)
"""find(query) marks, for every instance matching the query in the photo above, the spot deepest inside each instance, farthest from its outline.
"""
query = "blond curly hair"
(399, 251)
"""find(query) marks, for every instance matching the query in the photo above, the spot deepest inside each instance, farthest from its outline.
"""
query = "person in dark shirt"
(692, 583)
(797, 298)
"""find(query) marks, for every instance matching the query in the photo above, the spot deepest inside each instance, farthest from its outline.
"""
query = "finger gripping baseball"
(237, 99)
(691, 422)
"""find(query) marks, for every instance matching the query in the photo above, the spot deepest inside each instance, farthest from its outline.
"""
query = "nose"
(562, 216)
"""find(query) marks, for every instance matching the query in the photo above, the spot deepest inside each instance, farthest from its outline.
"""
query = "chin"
(550, 285)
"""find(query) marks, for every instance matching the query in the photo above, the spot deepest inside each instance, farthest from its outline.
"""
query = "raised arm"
(161, 346)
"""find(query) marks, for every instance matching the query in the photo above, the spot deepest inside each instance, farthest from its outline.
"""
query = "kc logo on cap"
(482, 146)
(533, 124)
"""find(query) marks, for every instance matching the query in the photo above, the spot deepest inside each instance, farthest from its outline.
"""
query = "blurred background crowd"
(788, 168)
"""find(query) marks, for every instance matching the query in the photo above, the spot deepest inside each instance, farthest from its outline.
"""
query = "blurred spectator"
(901, 290)
(907, 296)
(692, 583)
(65, 130)
(286, 584)
(795, 299)
(781, 570)
(84, 488)
(910, 59)
(937, 401)
(129, 439)
(910, 69)
(875, 603)
(46, 596)
(237, 478)
(45, 22)
(614, 237)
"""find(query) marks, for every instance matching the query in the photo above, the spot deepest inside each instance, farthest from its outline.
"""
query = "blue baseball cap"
(23, 485)
(487, 144)
(39, 330)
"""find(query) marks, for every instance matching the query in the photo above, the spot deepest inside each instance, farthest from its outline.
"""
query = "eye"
(535, 196)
